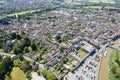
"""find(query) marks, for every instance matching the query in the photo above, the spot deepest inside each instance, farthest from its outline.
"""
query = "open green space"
(94, 1)
(68, 1)
(103, 1)
(82, 53)
(1, 50)
(115, 65)
(23, 12)
(49, 75)
(17, 74)
(96, 7)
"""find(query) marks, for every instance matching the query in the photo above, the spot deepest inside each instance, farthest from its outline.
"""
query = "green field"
(1, 50)
(68, 1)
(98, 7)
(82, 53)
(115, 65)
(23, 12)
(96, 1)
(103, 1)
(18, 74)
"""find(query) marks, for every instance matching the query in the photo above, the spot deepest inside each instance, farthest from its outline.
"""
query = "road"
(7, 54)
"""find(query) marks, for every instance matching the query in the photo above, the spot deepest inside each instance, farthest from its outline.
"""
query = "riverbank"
(105, 67)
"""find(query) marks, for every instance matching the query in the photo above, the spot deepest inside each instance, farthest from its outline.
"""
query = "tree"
(26, 50)
(26, 66)
(18, 37)
(4, 21)
(33, 46)
(117, 72)
(51, 76)
(113, 21)
(28, 76)
(115, 65)
(6, 67)
(8, 78)
(58, 38)
(17, 51)
(62, 48)
(48, 75)
(21, 46)
(13, 35)
(0, 58)
(26, 42)
(20, 56)
(1, 45)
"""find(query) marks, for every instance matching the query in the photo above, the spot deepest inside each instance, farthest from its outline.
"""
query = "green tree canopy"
(48, 75)
(17, 51)
(33, 46)
(6, 67)
(26, 50)
(13, 35)
(18, 36)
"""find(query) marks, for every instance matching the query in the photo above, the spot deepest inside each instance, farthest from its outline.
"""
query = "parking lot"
(89, 71)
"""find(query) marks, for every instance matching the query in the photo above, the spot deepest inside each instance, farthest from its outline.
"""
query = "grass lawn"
(23, 12)
(68, 1)
(95, 1)
(1, 50)
(69, 60)
(17, 74)
(34, 31)
(30, 49)
(11, 52)
(82, 53)
(103, 1)
(43, 61)
(98, 7)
